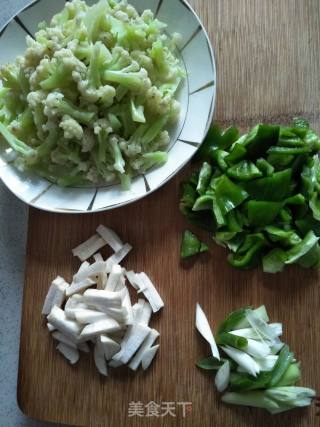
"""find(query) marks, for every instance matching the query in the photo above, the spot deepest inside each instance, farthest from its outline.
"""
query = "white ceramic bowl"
(197, 98)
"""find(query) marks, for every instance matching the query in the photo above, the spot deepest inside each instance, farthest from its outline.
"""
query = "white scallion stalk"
(257, 348)
(277, 328)
(260, 313)
(242, 359)
(276, 347)
(149, 356)
(110, 237)
(222, 377)
(203, 327)
(265, 364)
(89, 247)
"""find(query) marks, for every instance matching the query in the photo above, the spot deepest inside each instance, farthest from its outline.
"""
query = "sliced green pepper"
(244, 171)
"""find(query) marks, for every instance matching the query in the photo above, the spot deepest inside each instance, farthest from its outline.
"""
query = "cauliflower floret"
(92, 175)
(40, 73)
(67, 58)
(89, 94)
(162, 142)
(143, 60)
(122, 16)
(130, 149)
(35, 98)
(147, 16)
(71, 128)
(175, 111)
(131, 12)
(156, 102)
(50, 103)
(54, 37)
(88, 140)
(102, 125)
(137, 164)
(34, 53)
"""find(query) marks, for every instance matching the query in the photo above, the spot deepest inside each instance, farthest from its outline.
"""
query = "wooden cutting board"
(268, 62)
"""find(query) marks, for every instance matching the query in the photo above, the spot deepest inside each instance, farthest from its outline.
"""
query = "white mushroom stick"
(58, 318)
(79, 287)
(84, 347)
(100, 327)
(85, 316)
(127, 304)
(110, 237)
(102, 280)
(115, 363)
(71, 354)
(142, 312)
(118, 256)
(114, 277)
(51, 327)
(131, 276)
(149, 356)
(150, 292)
(89, 247)
(83, 265)
(119, 314)
(91, 271)
(73, 304)
(133, 338)
(98, 257)
(110, 347)
(62, 338)
(103, 298)
(56, 294)
(99, 359)
(146, 345)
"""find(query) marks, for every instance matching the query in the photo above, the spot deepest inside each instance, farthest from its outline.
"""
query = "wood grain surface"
(268, 62)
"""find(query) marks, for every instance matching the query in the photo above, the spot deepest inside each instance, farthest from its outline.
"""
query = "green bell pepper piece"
(244, 171)
(261, 213)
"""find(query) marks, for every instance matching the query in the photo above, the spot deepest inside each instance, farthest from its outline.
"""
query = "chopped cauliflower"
(71, 128)
(93, 95)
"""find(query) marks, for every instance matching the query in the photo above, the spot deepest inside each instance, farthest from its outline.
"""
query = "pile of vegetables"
(259, 195)
(95, 308)
(92, 98)
(256, 367)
